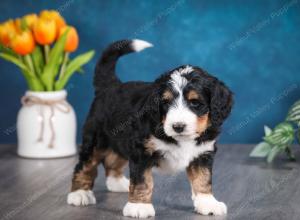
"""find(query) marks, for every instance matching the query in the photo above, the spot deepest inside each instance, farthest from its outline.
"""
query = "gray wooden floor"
(37, 189)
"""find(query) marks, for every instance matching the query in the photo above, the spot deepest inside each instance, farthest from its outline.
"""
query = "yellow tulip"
(30, 20)
(58, 19)
(7, 32)
(44, 31)
(72, 38)
(23, 43)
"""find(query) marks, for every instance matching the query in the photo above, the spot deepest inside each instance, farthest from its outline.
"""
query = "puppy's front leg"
(139, 204)
(200, 173)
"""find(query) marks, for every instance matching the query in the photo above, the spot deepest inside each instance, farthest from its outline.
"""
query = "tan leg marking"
(204, 201)
(142, 192)
(200, 179)
(84, 179)
(114, 164)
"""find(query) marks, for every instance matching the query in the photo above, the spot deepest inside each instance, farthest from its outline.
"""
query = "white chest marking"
(178, 157)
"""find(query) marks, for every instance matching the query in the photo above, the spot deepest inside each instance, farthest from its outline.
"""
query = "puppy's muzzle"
(178, 127)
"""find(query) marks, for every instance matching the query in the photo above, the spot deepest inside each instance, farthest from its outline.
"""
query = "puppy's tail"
(105, 74)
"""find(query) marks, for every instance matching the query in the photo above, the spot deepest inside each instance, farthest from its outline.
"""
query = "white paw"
(206, 204)
(117, 184)
(138, 210)
(81, 198)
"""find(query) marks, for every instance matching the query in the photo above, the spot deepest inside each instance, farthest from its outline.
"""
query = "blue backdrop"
(251, 45)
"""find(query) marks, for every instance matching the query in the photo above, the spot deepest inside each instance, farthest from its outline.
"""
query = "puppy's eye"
(195, 103)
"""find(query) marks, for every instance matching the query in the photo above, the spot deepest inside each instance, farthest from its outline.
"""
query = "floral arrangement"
(281, 137)
(40, 46)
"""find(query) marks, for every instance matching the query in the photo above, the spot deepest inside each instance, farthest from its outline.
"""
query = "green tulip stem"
(29, 63)
(63, 66)
(33, 82)
(46, 51)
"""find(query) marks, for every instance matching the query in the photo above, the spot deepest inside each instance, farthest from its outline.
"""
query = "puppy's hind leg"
(114, 168)
(86, 170)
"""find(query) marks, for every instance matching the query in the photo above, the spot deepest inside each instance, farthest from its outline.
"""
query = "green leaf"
(294, 113)
(273, 153)
(80, 70)
(33, 83)
(72, 67)
(52, 67)
(16, 61)
(282, 134)
(267, 130)
(38, 60)
(7, 50)
(261, 150)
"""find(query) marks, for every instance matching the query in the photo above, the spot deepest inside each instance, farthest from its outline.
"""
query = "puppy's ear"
(220, 104)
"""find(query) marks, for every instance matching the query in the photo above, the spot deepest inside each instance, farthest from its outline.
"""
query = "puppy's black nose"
(178, 127)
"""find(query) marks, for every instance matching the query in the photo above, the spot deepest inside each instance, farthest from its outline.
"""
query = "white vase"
(46, 126)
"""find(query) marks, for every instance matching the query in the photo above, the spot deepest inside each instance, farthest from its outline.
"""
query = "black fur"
(124, 115)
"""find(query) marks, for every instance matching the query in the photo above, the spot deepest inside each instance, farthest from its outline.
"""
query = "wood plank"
(252, 189)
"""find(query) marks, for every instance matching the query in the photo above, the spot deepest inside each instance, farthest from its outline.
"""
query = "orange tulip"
(72, 38)
(18, 25)
(44, 31)
(58, 19)
(30, 20)
(7, 32)
(23, 43)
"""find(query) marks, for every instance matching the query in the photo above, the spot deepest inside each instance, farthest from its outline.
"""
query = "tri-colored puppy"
(171, 124)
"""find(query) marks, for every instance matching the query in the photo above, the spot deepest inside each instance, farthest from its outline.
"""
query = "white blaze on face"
(179, 112)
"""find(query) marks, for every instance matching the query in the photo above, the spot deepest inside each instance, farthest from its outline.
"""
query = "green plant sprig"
(281, 138)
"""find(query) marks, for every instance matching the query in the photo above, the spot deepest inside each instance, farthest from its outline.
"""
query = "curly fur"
(123, 116)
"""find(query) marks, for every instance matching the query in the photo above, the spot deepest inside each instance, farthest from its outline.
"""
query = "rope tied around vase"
(60, 104)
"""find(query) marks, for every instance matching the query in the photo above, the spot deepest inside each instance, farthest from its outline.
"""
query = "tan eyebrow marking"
(192, 95)
(167, 95)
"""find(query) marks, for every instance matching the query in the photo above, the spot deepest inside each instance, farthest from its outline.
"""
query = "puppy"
(170, 124)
